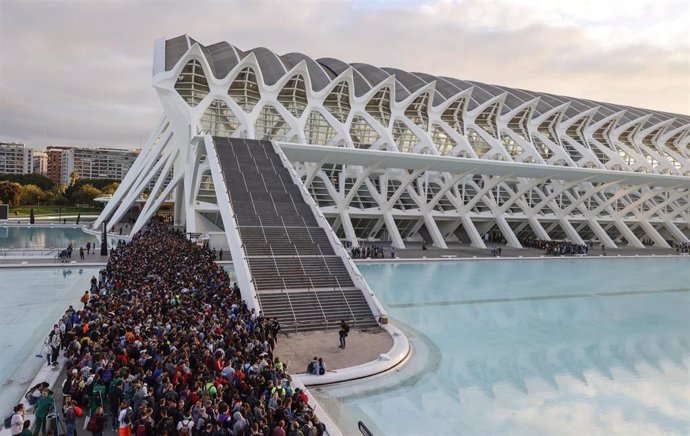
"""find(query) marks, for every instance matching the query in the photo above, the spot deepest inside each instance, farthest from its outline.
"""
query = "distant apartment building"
(15, 158)
(40, 162)
(54, 163)
(88, 163)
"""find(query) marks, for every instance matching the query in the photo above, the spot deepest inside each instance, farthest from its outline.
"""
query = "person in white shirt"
(17, 420)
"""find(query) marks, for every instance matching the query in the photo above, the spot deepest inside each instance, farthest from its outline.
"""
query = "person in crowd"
(26, 429)
(44, 405)
(17, 421)
(343, 332)
(165, 332)
(96, 423)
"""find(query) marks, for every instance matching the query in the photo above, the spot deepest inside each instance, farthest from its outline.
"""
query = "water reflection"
(31, 237)
(586, 364)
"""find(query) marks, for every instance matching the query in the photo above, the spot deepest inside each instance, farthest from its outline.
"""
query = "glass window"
(218, 120)
(444, 143)
(453, 116)
(270, 125)
(487, 119)
(317, 130)
(513, 148)
(191, 83)
(478, 143)
(338, 102)
(379, 106)
(244, 90)
(294, 96)
(363, 135)
(544, 150)
(418, 111)
(518, 124)
(403, 137)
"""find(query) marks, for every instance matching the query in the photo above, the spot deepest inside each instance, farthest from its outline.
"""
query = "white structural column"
(649, 229)
(508, 233)
(350, 234)
(538, 228)
(628, 234)
(132, 174)
(570, 231)
(472, 231)
(434, 231)
(396, 239)
(675, 231)
(601, 233)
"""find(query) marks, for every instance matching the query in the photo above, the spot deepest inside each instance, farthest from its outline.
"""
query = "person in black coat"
(115, 396)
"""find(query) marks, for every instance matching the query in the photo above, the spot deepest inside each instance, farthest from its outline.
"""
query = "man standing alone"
(344, 330)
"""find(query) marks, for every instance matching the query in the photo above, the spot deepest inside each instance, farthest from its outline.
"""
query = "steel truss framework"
(506, 162)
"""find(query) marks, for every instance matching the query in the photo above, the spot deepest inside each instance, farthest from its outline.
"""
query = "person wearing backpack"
(70, 418)
(125, 419)
(344, 330)
(143, 425)
(185, 426)
(16, 420)
(96, 423)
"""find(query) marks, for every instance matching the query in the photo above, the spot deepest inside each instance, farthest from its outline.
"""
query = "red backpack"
(141, 429)
(93, 424)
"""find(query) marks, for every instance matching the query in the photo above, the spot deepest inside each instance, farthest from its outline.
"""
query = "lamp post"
(104, 241)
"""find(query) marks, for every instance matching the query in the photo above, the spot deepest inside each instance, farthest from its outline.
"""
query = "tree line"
(36, 189)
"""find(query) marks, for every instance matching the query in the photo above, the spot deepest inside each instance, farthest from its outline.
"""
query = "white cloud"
(81, 71)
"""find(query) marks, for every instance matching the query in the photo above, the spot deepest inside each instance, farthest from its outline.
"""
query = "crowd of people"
(366, 251)
(164, 346)
(556, 248)
(682, 247)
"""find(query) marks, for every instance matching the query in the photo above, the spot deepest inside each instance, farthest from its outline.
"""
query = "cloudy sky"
(79, 72)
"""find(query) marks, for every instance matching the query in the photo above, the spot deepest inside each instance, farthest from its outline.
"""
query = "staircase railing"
(349, 308)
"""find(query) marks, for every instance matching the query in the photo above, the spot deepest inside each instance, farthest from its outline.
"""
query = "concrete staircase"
(297, 275)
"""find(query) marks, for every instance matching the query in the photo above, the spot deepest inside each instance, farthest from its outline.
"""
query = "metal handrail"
(346, 302)
(324, 260)
(274, 205)
(287, 294)
(279, 178)
(318, 300)
(287, 235)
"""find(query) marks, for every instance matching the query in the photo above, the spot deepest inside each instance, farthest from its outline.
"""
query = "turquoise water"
(36, 237)
(32, 301)
(531, 347)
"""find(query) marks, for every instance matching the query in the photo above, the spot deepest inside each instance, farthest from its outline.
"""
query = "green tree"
(32, 194)
(43, 182)
(10, 193)
(56, 195)
(73, 177)
(111, 188)
(85, 194)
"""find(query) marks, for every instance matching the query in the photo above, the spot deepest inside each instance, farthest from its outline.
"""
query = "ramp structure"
(290, 259)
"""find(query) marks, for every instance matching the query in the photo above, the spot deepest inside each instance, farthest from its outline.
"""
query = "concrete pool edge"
(398, 354)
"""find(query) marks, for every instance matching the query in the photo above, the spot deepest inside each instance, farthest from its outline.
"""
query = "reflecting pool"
(530, 347)
(34, 236)
(31, 301)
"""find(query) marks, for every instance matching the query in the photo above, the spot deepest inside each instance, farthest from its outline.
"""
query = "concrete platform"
(298, 349)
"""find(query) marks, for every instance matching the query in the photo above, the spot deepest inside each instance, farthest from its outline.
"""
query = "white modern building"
(40, 163)
(400, 156)
(15, 158)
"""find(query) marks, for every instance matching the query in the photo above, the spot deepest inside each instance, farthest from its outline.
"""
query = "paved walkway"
(298, 349)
